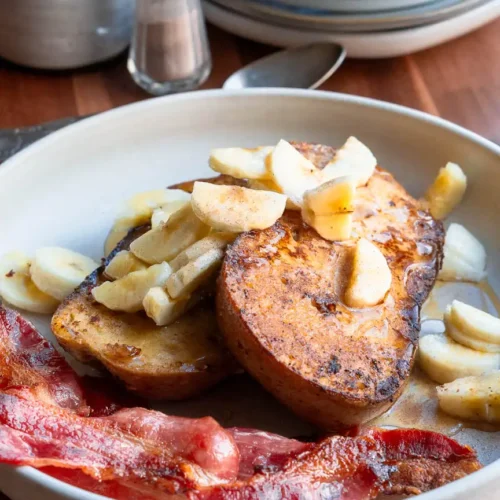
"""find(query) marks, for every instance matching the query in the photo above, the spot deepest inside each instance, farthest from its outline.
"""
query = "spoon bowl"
(304, 67)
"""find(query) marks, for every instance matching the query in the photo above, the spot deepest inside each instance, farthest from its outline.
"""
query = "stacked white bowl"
(367, 28)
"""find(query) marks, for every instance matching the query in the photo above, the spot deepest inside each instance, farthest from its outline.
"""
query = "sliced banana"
(464, 256)
(236, 209)
(217, 240)
(471, 342)
(138, 211)
(241, 163)
(472, 327)
(120, 229)
(163, 213)
(472, 398)
(370, 278)
(123, 263)
(447, 191)
(17, 288)
(194, 274)
(58, 271)
(333, 197)
(445, 361)
(269, 185)
(166, 241)
(328, 208)
(292, 172)
(353, 158)
(334, 227)
(164, 310)
(127, 293)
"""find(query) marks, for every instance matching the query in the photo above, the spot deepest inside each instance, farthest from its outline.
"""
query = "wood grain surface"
(459, 81)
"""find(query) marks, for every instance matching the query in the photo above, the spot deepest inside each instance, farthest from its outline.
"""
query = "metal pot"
(62, 34)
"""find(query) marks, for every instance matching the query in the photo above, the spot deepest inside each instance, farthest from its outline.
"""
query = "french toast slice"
(171, 362)
(280, 307)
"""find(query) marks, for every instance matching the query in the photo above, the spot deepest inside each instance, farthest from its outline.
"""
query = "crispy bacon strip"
(136, 453)
(263, 451)
(33, 361)
(357, 468)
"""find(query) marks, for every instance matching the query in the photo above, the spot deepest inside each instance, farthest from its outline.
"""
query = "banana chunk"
(472, 327)
(370, 276)
(443, 360)
(127, 293)
(241, 163)
(166, 241)
(269, 185)
(292, 172)
(464, 256)
(472, 398)
(333, 227)
(353, 158)
(164, 310)
(123, 263)
(236, 209)
(447, 191)
(58, 271)
(17, 288)
(138, 211)
(329, 207)
(218, 240)
(194, 274)
(163, 213)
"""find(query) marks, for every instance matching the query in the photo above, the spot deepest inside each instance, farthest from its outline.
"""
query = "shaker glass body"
(169, 50)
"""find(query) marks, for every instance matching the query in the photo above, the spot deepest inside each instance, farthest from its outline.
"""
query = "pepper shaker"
(169, 51)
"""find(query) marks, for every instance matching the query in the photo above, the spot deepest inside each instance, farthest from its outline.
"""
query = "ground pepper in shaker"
(169, 50)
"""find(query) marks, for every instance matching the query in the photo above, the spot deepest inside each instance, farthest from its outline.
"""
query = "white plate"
(65, 190)
(358, 45)
(336, 22)
(353, 5)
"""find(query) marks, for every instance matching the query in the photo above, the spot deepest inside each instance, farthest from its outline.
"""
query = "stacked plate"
(367, 28)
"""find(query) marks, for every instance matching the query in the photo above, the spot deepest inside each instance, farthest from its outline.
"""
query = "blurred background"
(70, 58)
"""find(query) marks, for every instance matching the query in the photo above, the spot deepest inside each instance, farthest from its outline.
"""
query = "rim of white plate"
(478, 478)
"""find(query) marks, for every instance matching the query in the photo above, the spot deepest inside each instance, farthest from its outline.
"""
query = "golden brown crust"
(280, 306)
(174, 362)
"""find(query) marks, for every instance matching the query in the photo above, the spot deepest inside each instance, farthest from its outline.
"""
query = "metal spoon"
(305, 67)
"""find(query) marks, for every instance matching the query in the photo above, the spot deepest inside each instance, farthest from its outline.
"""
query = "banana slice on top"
(353, 158)
(217, 240)
(163, 213)
(123, 263)
(329, 207)
(163, 309)
(58, 271)
(443, 360)
(127, 293)
(194, 274)
(292, 172)
(236, 209)
(138, 210)
(17, 287)
(241, 163)
(167, 240)
(472, 398)
(370, 278)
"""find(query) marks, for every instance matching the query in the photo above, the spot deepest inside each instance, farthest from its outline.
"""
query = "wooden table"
(459, 81)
